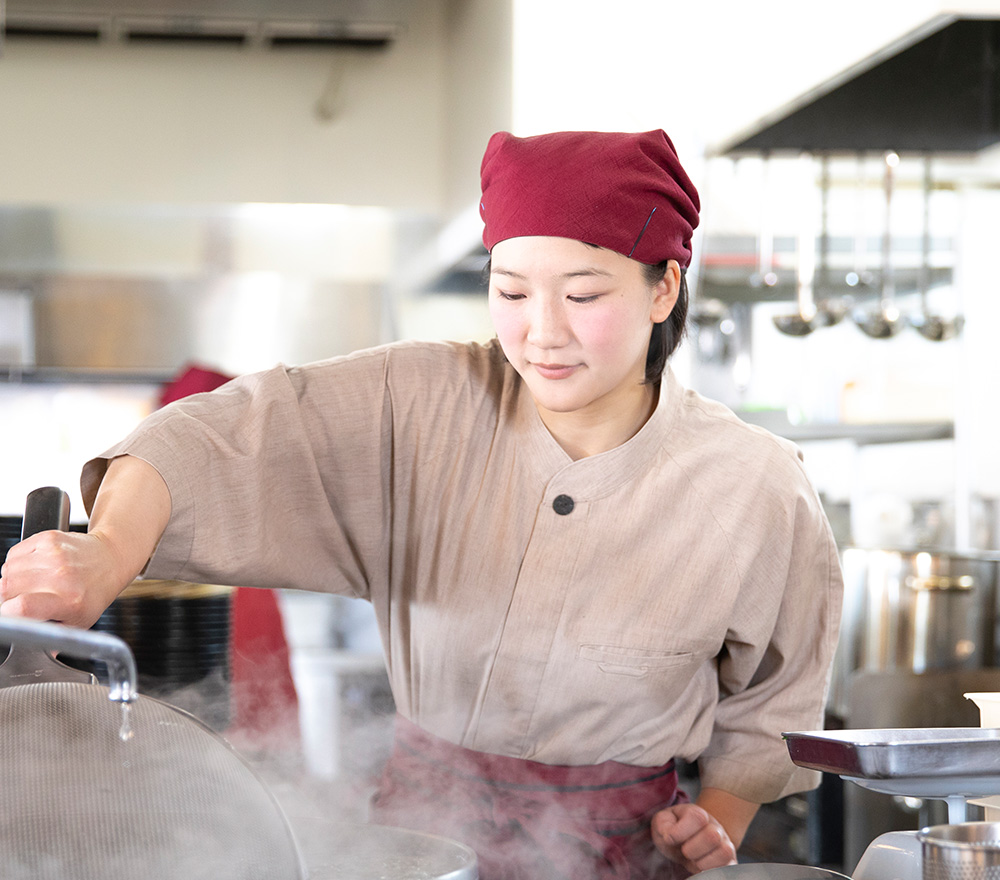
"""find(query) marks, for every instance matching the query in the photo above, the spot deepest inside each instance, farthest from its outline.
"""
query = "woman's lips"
(555, 371)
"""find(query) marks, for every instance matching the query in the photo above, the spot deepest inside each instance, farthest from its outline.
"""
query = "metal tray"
(919, 761)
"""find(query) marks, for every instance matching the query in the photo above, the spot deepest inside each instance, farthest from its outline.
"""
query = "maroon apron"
(526, 820)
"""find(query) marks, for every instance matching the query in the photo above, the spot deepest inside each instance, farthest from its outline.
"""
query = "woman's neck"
(597, 429)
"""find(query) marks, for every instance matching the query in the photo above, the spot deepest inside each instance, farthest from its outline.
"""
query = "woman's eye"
(584, 299)
(510, 297)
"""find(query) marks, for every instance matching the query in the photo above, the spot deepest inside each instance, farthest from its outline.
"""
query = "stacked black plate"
(180, 635)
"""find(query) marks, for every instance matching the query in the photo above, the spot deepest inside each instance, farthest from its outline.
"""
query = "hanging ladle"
(805, 318)
(829, 310)
(934, 327)
(884, 321)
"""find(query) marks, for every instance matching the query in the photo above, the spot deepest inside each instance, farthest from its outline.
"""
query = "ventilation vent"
(270, 24)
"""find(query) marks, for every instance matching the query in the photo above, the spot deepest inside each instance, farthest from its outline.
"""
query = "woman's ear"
(665, 293)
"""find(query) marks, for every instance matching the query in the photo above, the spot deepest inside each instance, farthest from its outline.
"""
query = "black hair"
(665, 336)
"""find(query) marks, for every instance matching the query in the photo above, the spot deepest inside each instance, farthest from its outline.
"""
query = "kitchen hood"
(268, 23)
(936, 89)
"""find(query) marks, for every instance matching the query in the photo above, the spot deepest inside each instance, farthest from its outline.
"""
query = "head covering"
(623, 191)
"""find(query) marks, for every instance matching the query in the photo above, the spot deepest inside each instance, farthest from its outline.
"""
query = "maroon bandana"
(626, 192)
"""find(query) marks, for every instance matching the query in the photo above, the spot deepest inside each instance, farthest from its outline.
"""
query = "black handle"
(46, 508)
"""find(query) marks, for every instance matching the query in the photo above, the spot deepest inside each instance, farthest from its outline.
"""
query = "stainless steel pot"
(347, 851)
(914, 611)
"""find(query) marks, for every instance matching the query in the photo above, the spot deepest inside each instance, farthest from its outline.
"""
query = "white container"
(989, 716)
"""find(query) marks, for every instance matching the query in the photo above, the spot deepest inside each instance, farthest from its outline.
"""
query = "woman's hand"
(70, 577)
(689, 835)
(705, 834)
(67, 577)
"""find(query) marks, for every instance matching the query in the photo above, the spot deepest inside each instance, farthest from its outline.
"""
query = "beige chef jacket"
(676, 596)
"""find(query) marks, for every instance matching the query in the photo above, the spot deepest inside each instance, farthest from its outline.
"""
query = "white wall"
(166, 124)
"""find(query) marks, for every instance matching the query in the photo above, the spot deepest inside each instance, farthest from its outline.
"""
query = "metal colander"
(174, 800)
(963, 851)
(99, 783)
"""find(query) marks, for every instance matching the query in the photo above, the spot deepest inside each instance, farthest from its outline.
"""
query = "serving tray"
(935, 762)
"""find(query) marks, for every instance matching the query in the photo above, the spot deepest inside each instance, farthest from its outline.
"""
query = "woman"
(580, 570)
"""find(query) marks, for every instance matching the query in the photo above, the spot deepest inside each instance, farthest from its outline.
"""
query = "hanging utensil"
(931, 326)
(84, 799)
(859, 276)
(829, 310)
(884, 320)
(765, 276)
(804, 319)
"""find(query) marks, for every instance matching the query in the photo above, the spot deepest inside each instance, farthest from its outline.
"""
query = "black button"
(563, 505)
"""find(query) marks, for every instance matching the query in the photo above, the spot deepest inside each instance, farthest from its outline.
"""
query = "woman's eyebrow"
(576, 273)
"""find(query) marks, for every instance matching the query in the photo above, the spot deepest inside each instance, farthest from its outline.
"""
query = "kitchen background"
(233, 184)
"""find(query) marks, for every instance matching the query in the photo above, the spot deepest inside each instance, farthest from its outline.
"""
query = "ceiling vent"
(273, 24)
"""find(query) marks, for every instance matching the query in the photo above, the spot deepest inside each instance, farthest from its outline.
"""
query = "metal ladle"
(884, 321)
(830, 310)
(805, 318)
(931, 326)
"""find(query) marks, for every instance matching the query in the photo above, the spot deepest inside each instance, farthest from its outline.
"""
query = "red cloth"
(526, 820)
(191, 380)
(623, 191)
(264, 701)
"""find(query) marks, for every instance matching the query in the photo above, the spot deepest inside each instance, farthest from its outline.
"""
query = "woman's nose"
(548, 328)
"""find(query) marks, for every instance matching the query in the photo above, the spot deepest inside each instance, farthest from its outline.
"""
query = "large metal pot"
(914, 611)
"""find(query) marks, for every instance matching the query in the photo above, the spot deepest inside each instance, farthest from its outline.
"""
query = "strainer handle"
(32, 641)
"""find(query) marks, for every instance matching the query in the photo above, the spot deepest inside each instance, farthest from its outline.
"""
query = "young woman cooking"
(580, 570)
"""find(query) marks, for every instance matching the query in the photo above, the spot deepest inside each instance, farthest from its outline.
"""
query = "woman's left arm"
(705, 834)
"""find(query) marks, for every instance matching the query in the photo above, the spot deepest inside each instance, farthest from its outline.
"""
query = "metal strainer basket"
(93, 788)
(964, 851)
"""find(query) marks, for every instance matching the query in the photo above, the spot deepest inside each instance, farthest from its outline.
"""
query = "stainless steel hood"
(269, 23)
(936, 89)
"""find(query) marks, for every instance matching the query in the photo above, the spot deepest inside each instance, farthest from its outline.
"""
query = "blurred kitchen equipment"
(830, 310)
(805, 318)
(917, 632)
(966, 851)
(884, 320)
(765, 276)
(931, 326)
(914, 611)
(859, 276)
(94, 788)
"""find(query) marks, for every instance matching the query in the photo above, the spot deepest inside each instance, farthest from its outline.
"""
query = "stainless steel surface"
(147, 288)
(376, 852)
(770, 871)
(964, 851)
(963, 756)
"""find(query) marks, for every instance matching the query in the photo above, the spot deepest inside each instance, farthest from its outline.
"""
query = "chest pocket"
(633, 662)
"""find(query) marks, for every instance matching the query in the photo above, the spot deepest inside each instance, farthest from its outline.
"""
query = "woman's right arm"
(71, 577)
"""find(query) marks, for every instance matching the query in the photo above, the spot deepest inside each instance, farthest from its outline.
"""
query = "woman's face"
(575, 320)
